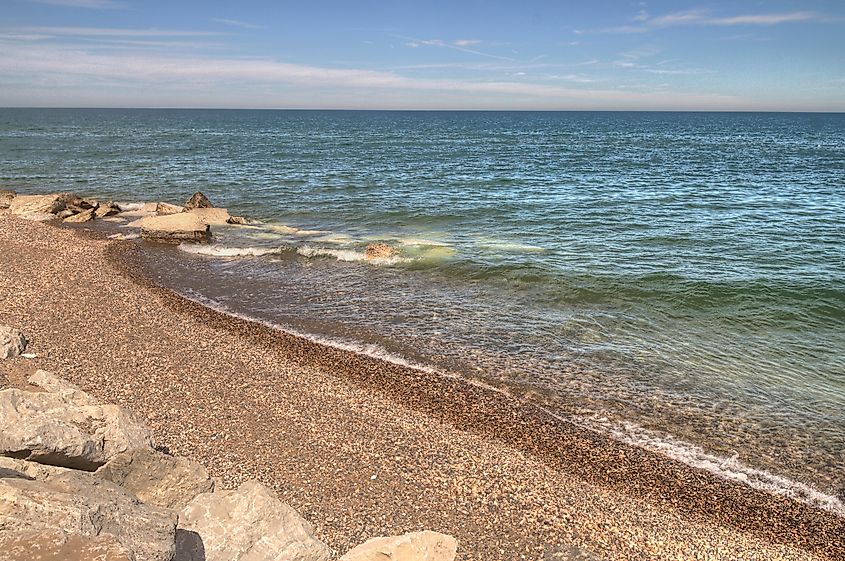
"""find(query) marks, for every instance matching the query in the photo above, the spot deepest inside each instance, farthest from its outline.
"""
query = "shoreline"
(672, 501)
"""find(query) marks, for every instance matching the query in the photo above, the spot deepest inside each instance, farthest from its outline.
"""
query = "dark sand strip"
(317, 423)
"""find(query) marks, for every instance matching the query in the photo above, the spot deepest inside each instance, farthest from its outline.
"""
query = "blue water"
(674, 275)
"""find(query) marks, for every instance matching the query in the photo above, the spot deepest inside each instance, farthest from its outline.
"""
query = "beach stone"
(6, 196)
(198, 200)
(237, 220)
(175, 228)
(167, 208)
(379, 251)
(212, 216)
(12, 342)
(156, 478)
(64, 426)
(246, 524)
(107, 209)
(83, 216)
(40, 204)
(415, 546)
(38, 216)
(57, 545)
(78, 503)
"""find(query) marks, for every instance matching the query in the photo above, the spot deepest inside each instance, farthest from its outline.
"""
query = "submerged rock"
(415, 546)
(379, 251)
(157, 478)
(6, 196)
(167, 208)
(64, 426)
(246, 524)
(78, 503)
(175, 228)
(84, 216)
(198, 200)
(57, 545)
(237, 220)
(12, 342)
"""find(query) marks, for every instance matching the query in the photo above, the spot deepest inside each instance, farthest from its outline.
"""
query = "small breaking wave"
(226, 251)
(348, 255)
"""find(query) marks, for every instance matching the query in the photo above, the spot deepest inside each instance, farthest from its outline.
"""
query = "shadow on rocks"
(189, 546)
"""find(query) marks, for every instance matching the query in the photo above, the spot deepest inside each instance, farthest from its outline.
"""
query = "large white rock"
(79, 503)
(58, 545)
(156, 478)
(64, 426)
(29, 204)
(12, 342)
(416, 546)
(212, 216)
(174, 228)
(246, 524)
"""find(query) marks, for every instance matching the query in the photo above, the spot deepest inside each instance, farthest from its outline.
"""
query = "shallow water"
(668, 276)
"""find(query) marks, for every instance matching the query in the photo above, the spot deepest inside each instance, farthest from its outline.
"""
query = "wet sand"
(362, 447)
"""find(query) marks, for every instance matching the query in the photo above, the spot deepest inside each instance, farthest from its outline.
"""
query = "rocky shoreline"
(365, 448)
(82, 480)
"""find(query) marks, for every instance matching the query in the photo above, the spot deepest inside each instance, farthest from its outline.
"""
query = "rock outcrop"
(175, 228)
(379, 251)
(41, 204)
(212, 216)
(198, 200)
(82, 216)
(107, 209)
(58, 545)
(167, 208)
(12, 342)
(79, 503)
(6, 196)
(65, 427)
(416, 546)
(157, 478)
(246, 524)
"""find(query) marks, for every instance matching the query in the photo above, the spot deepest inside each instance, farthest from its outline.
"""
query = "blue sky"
(756, 55)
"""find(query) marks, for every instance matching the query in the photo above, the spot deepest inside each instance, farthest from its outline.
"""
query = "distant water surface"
(675, 278)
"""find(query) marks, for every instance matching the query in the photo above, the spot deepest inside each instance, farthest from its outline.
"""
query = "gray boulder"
(415, 546)
(78, 503)
(12, 342)
(156, 478)
(64, 426)
(246, 524)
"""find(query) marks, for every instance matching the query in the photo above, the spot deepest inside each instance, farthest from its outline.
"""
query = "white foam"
(423, 242)
(124, 236)
(226, 251)
(348, 255)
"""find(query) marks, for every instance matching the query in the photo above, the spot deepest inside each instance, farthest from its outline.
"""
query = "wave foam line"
(226, 251)
(628, 433)
(348, 255)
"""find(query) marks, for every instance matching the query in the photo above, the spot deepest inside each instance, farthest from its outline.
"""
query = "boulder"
(212, 216)
(107, 209)
(175, 228)
(246, 524)
(198, 200)
(78, 503)
(12, 467)
(38, 216)
(83, 216)
(64, 426)
(237, 220)
(157, 478)
(12, 342)
(64, 214)
(6, 196)
(167, 208)
(42, 204)
(379, 251)
(58, 545)
(416, 546)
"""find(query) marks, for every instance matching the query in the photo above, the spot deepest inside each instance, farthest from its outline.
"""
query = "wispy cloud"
(465, 42)
(237, 23)
(644, 22)
(457, 44)
(111, 32)
(90, 4)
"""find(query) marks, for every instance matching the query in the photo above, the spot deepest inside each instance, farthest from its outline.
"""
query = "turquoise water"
(674, 278)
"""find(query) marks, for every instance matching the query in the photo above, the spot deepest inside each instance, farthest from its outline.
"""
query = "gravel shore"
(362, 447)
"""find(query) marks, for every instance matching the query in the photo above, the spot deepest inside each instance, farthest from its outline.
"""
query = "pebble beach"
(362, 447)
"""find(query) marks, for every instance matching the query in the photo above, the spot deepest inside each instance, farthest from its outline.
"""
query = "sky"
(458, 54)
